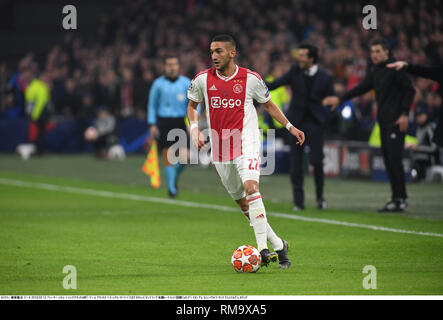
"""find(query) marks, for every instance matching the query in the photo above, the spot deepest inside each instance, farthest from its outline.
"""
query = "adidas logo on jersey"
(213, 87)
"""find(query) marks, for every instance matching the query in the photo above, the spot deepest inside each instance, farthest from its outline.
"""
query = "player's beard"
(223, 65)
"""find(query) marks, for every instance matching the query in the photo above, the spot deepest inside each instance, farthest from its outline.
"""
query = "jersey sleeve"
(195, 90)
(153, 103)
(260, 91)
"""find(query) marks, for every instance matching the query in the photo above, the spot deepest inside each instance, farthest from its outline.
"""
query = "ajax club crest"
(237, 88)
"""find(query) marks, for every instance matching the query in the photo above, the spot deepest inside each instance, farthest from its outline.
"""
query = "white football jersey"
(231, 114)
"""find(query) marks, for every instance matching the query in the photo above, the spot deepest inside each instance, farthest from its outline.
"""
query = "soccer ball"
(116, 152)
(246, 259)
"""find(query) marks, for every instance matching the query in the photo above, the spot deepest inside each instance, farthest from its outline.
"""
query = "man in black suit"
(309, 85)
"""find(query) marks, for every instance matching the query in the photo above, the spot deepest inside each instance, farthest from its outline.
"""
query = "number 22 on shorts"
(254, 164)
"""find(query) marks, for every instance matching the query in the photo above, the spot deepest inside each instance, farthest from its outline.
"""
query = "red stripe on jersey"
(226, 113)
(253, 73)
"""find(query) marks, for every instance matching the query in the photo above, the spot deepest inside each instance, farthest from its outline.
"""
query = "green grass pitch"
(125, 238)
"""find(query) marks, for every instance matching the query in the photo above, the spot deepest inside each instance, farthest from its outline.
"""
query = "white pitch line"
(128, 196)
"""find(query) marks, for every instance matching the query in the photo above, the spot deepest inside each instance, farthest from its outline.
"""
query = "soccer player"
(166, 111)
(228, 92)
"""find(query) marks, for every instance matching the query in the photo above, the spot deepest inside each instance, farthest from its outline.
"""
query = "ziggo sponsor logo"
(217, 102)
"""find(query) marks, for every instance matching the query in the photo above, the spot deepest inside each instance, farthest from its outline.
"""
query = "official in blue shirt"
(166, 111)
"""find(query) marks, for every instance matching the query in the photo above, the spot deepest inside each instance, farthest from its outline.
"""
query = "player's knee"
(251, 188)
(166, 157)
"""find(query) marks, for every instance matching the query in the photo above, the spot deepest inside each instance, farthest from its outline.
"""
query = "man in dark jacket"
(433, 73)
(309, 85)
(394, 95)
(425, 153)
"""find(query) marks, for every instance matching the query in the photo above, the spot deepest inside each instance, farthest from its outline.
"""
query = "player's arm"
(197, 137)
(152, 110)
(360, 89)
(433, 73)
(407, 98)
(278, 115)
(195, 96)
(282, 81)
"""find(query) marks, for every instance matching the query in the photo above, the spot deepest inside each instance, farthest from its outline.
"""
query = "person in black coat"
(394, 94)
(434, 73)
(309, 85)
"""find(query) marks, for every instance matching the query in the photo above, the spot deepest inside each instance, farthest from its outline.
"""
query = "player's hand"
(153, 130)
(300, 135)
(197, 137)
(331, 101)
(398, 65)
(402, 123)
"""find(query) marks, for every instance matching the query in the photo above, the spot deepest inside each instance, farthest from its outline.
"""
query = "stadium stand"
(117, 50)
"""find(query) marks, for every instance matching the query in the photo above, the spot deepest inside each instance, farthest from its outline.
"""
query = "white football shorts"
(234, 173)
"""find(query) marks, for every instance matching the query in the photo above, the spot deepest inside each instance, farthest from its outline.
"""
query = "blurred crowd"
(117, 68)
